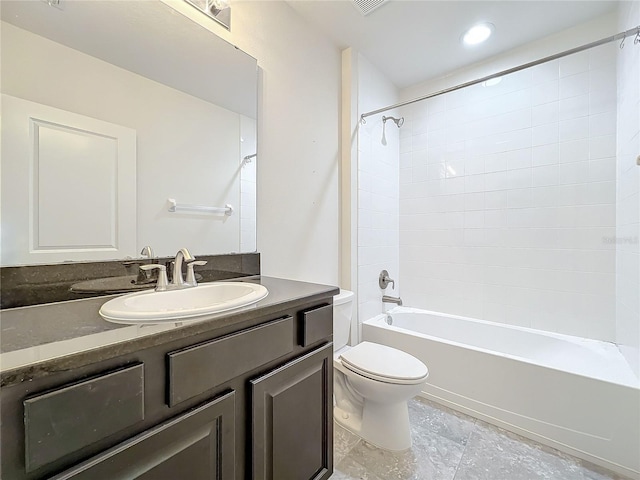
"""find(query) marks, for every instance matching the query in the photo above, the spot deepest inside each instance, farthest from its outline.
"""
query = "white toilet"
(372, 384)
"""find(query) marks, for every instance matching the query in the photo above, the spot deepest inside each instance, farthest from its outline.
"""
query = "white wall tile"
(520, 158)
(545, 175)
(520, 198)
(544, 134)
(574, 85)
(495, 181)
(574, 107)
(522, 178)
(602, 124)
(545, 113)
(602, 78)
(575, 172)
(603, 169)
(505, 203)
(548, 154)
(545, 93)
(603, 56)
(602, 101)
(602, 147)
(574, 129)
(545, 72)
(574, 150)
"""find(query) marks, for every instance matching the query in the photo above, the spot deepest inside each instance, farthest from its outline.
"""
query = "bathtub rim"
(379, 321)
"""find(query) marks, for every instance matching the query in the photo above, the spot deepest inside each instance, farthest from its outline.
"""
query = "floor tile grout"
(464, 450)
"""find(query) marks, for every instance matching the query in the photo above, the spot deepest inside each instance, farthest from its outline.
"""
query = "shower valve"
(384, 280)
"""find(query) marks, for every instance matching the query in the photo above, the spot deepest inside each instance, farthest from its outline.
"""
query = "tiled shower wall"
(377, 191)
(508, 198)
(628, 198)
(377, 215)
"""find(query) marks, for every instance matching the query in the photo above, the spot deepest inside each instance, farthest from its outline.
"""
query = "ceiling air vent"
(365, 7)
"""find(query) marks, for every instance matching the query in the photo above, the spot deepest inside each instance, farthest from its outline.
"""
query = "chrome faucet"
(177, 280)
(389, 299)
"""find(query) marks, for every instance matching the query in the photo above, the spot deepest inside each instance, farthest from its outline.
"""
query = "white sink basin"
(185, 304)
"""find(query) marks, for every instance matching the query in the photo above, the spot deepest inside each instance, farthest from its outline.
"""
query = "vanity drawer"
(194, 370)
(317, 324)
(62, 421)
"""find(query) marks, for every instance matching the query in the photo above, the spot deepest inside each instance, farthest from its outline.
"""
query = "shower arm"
(398, 121)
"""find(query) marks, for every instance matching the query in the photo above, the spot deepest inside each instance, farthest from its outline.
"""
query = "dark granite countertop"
(25, 285)
(42, 339)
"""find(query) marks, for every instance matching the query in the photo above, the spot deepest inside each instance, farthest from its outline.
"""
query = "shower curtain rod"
(618, 36)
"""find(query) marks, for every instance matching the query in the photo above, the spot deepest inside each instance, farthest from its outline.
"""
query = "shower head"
(398, 121)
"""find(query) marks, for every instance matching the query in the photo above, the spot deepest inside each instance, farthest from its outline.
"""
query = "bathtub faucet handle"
(384, 280)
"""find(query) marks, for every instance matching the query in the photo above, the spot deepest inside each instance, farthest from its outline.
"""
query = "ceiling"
(414, 40)
(150, 39)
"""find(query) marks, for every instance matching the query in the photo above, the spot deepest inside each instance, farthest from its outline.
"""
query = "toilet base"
(385, 426)
(348, 420)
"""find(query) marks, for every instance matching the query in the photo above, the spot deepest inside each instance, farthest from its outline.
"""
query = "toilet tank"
(342, 313)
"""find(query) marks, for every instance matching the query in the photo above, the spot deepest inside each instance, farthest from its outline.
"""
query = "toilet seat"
(384, 364)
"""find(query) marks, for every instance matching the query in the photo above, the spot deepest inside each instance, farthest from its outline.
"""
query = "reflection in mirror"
(109, 109)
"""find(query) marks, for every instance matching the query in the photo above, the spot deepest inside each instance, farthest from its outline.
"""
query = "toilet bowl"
(372, 384)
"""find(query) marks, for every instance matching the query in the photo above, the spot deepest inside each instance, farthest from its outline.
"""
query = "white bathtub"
(574, 394)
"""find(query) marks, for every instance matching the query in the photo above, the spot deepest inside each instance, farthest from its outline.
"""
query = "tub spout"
(389, 299)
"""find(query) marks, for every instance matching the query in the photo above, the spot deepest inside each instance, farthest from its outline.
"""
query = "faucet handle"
(384, 280)
(162, 276)
(191, 276)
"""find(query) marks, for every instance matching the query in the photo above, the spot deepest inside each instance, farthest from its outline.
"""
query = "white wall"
(377, 191)
(298, 129)
(176, 135)
(628, 196)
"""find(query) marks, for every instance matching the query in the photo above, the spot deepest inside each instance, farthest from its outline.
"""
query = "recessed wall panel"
(68, 186)
(74, 179)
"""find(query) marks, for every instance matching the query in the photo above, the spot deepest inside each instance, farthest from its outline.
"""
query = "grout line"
(464, 450)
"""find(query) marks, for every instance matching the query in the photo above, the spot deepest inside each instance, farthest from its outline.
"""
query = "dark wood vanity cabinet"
(292, 423)
(197, 445)
(250, 402)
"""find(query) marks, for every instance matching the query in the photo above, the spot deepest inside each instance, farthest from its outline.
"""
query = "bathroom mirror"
(109, 110)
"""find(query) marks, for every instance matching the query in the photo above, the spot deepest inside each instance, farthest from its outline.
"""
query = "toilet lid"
(384, 363)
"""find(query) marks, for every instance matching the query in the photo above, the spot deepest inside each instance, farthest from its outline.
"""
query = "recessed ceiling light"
(478, 33)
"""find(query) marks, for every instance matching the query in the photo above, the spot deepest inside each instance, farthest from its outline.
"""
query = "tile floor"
(448, 445)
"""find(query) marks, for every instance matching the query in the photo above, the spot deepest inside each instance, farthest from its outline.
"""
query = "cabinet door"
(292, 424)
(198, 445)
